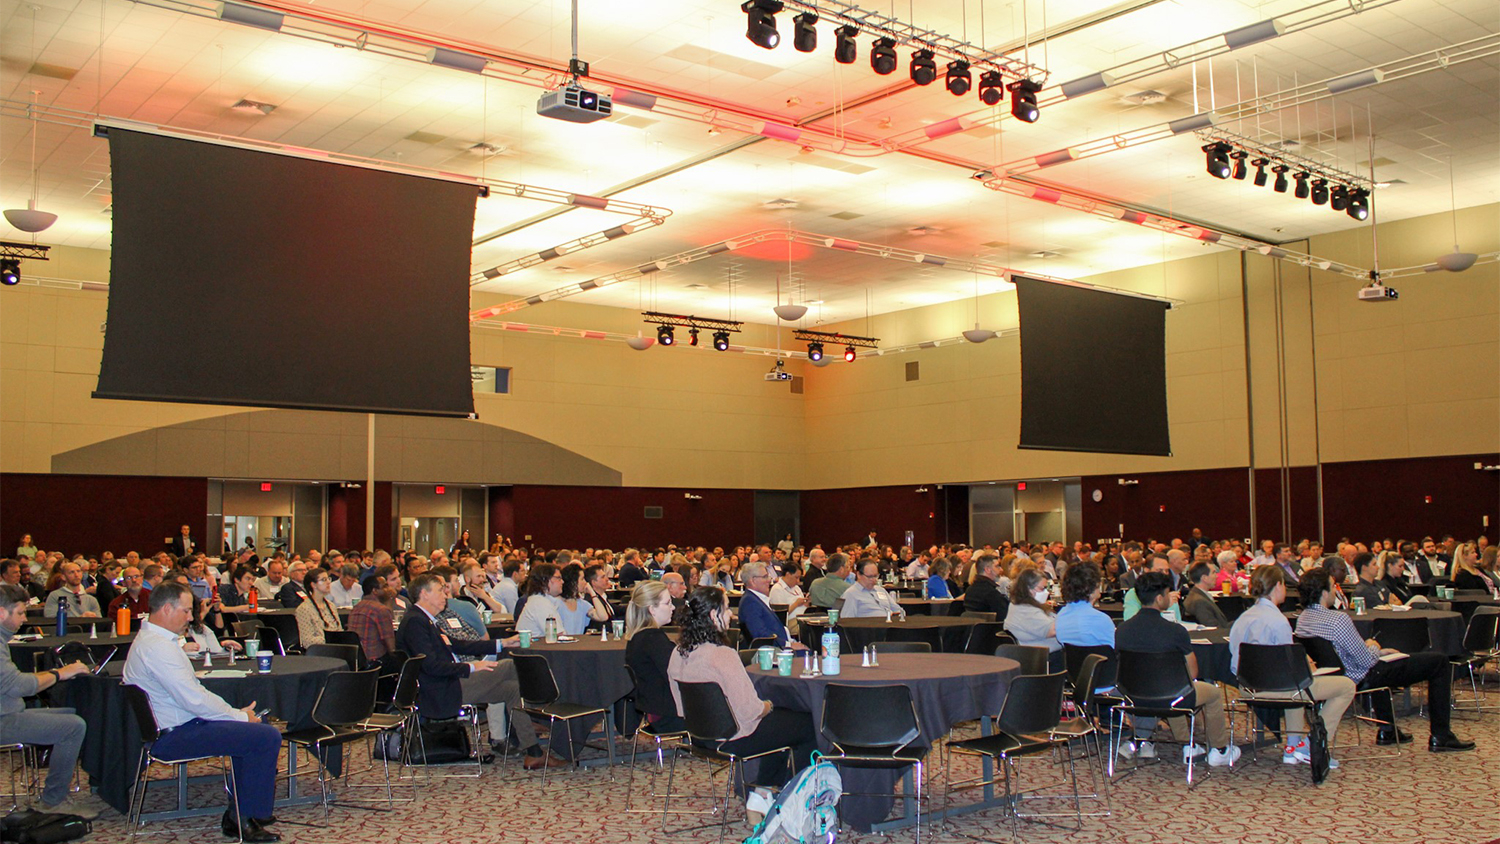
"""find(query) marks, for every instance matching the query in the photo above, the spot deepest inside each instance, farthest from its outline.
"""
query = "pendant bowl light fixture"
(640, 343)
(29, 219)
(977, 334)
(787, 312)
(1455, 261)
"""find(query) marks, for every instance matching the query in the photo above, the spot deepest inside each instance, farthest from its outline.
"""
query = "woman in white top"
(1030, 619)
(200, 637)
(543, 586)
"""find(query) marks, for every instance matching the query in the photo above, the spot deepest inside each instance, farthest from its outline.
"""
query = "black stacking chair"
(400, 716)
(145, 722)
(657, 738)
(903, 648)
(1479, 649)
(1153, 685)
(875, 727)
(348, 653)
(985, 636)
(539, 696)
(341, 715)
(1033, 659)
(1274, 677)
(1324, 655)
(1082, 724)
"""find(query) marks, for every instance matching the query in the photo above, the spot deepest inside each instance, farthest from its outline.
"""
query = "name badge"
(445, 639)
(453, 623)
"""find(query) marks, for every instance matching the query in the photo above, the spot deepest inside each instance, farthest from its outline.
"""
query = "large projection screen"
(1093, 370)
(242, 277)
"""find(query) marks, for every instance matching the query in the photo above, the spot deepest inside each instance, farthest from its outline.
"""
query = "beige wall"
(1416, 377)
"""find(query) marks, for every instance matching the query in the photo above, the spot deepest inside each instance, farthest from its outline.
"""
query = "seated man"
(80, 603)
(57, 727)
(446, 683)
(373, 621)
(1078, 622)
(1152, 631)
(787, 592)
(985, 595)
(867, 598)
(1372, 586)
(1263, 624)
(1133, 601)
(194, 720)
(1362, 664)
(1199, 605)
(829, 589)
(756, 614)
(136, 597)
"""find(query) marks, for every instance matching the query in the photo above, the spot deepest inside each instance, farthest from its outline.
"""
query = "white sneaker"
(1126, 750)
(1222, 758)
(1332, 763)
(1192, 751)
(1296, 754)
(757, 803)
(1145, 750)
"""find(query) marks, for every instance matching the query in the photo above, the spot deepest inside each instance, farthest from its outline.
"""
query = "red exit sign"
(1021, 487)
(265, 486)
(440, 489)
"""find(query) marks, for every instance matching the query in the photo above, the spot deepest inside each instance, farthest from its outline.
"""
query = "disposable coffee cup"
(525, 638)
(263, 663)
(252, 647)
(617, 629)
(764, 657)
(784, 663)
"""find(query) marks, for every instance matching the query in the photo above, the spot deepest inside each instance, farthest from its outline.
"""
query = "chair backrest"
(1408, 635)
(987, 635)
(932, 637)
(140, 707)
(341, 637)
(1483, 626)
(706, 712)
(348, 697)
(348, 653)
(1153, 679)
(245, 628)
(1033, 704)
(869, 716)
(1322, 651)
(405, 696)
(1274, 668)
(1033, 658)
(1085, 681)
(73, 652)
(762, 642)
(732, 637)
(1074, 656)
(747, 656)
(903, 647)
(534, 675)
(982, 616)
(270, 640)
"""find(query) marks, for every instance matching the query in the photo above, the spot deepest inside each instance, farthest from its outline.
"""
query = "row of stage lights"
(666, 335)
(1354, 201)
(761, 30)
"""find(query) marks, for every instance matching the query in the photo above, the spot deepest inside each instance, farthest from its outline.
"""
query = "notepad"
(219, 673)
(1203, 641)
(1323, 672)
(1393, 657)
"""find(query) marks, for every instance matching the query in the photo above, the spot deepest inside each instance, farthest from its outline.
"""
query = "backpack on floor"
(806, 810)
(32, 827)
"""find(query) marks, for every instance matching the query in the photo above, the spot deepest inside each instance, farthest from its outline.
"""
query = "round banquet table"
(950, 631)
(1211, 647)
(24, 654)
(588, 672)
(74, 622)
(1465, 601)
(947, 689)
(283, 621)
(113, 743)
(1445, 628)
(931, 606)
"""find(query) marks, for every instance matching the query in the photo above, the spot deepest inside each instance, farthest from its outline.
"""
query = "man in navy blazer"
(445, 683)
(756, 615)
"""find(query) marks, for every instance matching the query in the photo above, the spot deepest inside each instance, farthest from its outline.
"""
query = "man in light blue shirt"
(1078, 623)
(867, 598)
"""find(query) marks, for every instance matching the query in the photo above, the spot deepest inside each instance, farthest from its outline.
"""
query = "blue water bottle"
(62, 616)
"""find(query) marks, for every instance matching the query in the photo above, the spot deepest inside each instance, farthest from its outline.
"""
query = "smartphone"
(262, 713)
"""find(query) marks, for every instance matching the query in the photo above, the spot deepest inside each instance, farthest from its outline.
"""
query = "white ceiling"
(147, 64)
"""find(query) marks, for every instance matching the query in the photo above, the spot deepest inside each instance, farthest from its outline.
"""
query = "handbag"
(442, 742)
(1317, 744)
(32, 827)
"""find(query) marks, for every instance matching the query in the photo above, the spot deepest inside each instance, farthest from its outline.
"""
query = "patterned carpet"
(1419, 798)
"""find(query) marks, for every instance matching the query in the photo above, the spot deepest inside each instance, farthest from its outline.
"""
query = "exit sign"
(265, 486)
(1021, 487)
(440, 489)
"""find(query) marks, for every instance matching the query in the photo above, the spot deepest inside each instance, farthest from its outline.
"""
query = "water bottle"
(925, 596)
(254, 597)
(830, 643)
(62, 616)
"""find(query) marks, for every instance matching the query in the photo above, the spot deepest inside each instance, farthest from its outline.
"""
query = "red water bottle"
(254, 600)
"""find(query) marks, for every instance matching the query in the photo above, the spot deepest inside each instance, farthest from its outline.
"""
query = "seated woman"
(702, 657)
(1467, 573)
(1489, 563)
(317, 614)
(1230, 574)
(578, 605)
(1030, 619)
(540, 600)
(937, 579)
(648, 652)
(200, 636)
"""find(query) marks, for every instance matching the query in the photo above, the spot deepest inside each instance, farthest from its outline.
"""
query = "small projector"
(574, 104)
(1378, 293)
(779, 373)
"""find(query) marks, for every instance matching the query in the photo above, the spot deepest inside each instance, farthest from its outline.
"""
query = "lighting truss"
(1278, 155)
(24, 251)
(834, 338)
(685, 321)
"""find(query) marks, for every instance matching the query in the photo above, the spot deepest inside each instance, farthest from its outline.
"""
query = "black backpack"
(31, 827)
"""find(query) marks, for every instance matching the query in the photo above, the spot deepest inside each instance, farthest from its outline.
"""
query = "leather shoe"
(267, 821)
(1448, 743)
(252, 832)
(1385, 738)
(546, 760)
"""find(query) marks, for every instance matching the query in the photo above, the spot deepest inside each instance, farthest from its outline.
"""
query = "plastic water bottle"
(925, 596)
(830, 643)
(62, 616)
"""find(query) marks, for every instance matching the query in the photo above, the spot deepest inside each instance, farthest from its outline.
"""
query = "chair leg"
(234, 800)
(630, 780)
(666, 802)
(918, 788)
(1192, 734)
(1077, 801)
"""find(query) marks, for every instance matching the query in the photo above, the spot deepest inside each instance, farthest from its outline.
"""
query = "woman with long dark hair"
(539, 600)
(702, 657)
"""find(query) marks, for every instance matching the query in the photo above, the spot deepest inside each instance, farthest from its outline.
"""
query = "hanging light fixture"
(787, 312)
(29, 219)
(977, 334)
(1455, 261)
(639, 343)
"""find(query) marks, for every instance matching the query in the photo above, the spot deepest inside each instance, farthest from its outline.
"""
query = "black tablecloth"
(283, 621)
(1445, 628)
(24, 654)
(856, 633)
(947, 689)
(113, 744)
(1213, 655)
(935, 606)
(589, 672)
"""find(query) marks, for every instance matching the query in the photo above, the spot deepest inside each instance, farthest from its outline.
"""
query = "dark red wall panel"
(1387, 499)
(89, 514)
(1302, 497)
(614, 517)
(502, 514)
(346, 517)
(1164, 505)
(839, 516)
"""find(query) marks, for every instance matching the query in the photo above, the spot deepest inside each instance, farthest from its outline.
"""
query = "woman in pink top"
(702, 657)
(1230, 574)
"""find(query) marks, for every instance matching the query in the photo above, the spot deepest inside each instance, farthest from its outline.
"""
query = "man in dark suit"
(1199, 605)
(756, 615)
(984, 595)
(184, 543)
(631, 572)
(1430, 564)
(445, 683)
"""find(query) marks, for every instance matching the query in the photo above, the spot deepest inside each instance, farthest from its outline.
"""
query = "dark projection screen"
(1093, 370)
(242, 277)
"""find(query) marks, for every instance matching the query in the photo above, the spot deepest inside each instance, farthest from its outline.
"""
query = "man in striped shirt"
(1362, 664)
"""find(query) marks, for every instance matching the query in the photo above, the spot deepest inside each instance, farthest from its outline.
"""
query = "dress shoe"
(1385, 738)
(1448, 743)
(267, 821)
(252, 832)
(546, 760)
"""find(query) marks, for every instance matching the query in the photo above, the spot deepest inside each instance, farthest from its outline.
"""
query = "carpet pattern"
(1418, 798)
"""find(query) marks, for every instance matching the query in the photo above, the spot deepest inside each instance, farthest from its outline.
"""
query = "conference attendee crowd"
(697, 615)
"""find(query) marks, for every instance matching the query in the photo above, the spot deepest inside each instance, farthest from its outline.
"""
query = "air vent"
(425, 137)
(484, 150)
(1046, 253)
(653, 512)
(995, 244)
(1146, 98)
(780, 204)
(923, 231)
(846, 215)
(797, 385)
(53, 71)
(253, 107)
(913, 371)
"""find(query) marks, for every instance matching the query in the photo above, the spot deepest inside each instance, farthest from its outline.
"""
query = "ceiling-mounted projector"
(778, 372)
(574, 104)
(1377, 292)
